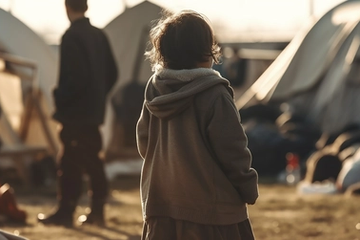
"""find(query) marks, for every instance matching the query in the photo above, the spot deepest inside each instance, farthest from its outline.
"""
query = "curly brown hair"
(180, 41)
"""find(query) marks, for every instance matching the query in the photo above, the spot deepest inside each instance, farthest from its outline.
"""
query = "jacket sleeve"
(142, 132)
(229, 143)
(72, 79)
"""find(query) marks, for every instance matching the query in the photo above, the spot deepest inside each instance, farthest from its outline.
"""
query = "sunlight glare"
(276, 18)
(357, 226)
(349, 13)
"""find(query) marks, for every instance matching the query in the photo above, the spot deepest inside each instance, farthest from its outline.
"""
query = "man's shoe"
(92, 219)
(58, 218)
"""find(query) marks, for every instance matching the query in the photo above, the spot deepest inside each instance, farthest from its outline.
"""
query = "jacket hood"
(169, 92)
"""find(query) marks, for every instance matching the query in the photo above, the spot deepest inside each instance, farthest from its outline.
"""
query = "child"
(196, 178)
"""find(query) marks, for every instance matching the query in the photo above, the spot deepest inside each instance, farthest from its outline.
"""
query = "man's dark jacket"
(87, 73)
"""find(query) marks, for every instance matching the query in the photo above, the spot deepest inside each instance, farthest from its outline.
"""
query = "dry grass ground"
(279, 214)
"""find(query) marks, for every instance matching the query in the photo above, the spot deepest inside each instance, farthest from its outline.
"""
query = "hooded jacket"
(196, 161)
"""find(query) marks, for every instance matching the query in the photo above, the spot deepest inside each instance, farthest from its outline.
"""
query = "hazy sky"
(48, 18)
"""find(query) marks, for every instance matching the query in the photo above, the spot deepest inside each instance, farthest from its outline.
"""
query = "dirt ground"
(279, 214)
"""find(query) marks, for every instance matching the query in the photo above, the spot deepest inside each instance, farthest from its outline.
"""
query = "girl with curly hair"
(196, 179)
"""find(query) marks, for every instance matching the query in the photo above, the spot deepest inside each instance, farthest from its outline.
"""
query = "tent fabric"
(337, 96)
(317, 51)
(350, 172)
(125, 34)
(264, 85)
(318, 74)
(18, 39)
(299, 67)
(11, 97)
(331, 104)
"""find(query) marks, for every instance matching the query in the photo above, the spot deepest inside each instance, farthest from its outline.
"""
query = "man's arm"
(73, 73)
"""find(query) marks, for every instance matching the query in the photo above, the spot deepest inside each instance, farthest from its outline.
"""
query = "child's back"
(196, 171)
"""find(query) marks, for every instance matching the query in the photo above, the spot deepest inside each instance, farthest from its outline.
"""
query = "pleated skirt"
(165, 228)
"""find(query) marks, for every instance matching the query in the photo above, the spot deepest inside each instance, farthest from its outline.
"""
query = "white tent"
(349, 175)
(125, 33)
(19, 41)
(128, 34)
(315, 72)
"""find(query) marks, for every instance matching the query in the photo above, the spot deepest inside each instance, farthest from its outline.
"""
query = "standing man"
(87, 73)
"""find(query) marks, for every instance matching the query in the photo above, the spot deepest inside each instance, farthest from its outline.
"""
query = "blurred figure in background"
(87, 73)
